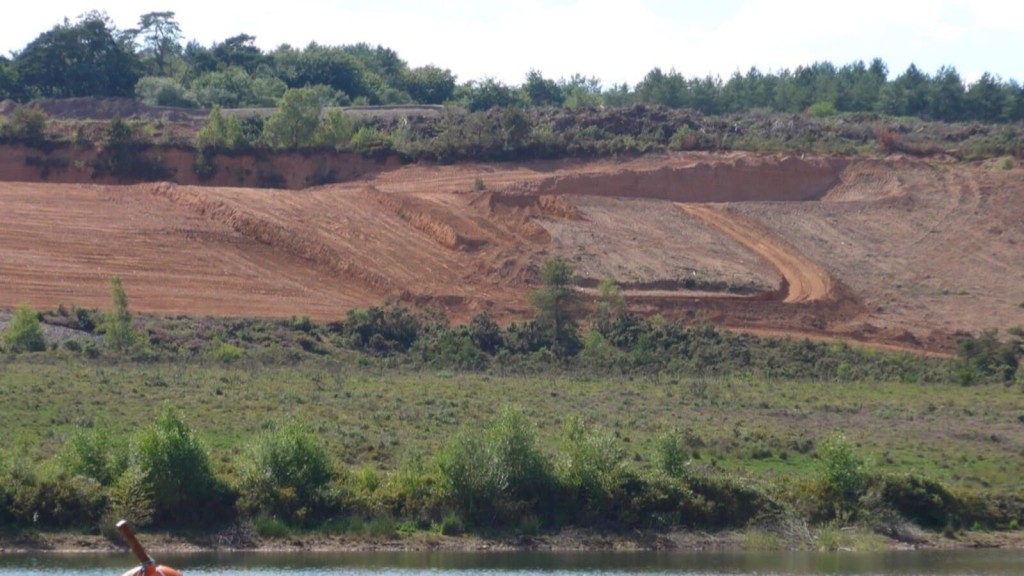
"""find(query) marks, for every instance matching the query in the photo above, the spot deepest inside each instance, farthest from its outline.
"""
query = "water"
(939, 563)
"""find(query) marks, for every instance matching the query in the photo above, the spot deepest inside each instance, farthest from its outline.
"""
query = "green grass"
(966, 437)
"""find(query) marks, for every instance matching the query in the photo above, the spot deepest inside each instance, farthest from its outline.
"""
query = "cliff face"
(70, 164)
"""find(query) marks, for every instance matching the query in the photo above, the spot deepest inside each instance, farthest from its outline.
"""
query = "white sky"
(615, 40)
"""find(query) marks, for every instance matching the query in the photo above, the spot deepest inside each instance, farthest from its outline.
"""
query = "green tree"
(296, 120)
(844, 472)
(555, 304)
(327, 65)
(118, 334)
(429, 84)
(985, 99)
(541, 91)
(229, 88)
(223, 132)
(82, 59)
(25, 333)
(161, 41)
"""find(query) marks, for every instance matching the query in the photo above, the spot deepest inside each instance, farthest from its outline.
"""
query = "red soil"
(893, 251)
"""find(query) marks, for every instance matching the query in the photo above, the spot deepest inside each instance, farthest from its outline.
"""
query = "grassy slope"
(966, 437)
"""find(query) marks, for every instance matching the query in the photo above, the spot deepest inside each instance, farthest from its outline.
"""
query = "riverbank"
(235, 540)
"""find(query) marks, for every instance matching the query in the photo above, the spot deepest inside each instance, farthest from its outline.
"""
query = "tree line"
(92, 57)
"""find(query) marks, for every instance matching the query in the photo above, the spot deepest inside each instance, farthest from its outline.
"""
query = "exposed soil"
(236, 539)
(895, 251)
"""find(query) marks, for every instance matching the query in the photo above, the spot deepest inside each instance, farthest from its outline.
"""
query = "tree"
(83, 59)
(985, 99)
(429, 84)
(327, 65)
(161, 41)
(946, 99)
(221, 132)
(229, 88)
(25, 334)
(555, 305)
(296, 120)
(541, 91)
(118, 333)
(489, 93)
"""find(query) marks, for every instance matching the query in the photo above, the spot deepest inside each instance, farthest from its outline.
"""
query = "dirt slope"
(894, 250)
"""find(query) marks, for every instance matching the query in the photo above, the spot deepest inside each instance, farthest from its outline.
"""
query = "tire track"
(803, 280)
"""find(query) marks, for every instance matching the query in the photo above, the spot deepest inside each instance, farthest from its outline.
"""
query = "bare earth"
(896, 251)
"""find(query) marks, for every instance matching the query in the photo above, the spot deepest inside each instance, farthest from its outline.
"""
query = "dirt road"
(804, 281)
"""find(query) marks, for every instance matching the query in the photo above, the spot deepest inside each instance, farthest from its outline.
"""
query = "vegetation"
(25, 334)
(396, 417)
(91, 57)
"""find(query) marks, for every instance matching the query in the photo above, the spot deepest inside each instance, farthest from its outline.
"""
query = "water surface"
(939, 563)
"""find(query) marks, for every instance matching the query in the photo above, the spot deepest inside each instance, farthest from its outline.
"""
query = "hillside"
(895, 250)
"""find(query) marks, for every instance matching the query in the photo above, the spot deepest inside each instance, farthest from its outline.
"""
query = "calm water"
(945, 563)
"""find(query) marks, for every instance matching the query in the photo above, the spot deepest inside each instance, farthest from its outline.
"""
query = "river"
(940, 563)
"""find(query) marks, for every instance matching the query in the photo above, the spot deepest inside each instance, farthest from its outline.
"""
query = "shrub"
(174, 469)
(162, 91)
(822, 109)
(25, 333)
(589, 465)
(93, 453)
(27, 124)
(670, 456)
(285, 472)
(499, 475)
(844, 473)
(118, 334)
(296, 120)
(221, 132)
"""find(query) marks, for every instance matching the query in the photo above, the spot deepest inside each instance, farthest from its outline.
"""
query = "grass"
(966, 437)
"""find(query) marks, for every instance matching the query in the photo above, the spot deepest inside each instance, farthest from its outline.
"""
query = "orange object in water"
(149, 566)
(152, 570)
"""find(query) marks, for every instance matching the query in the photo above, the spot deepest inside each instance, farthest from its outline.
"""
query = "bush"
(25, 333)
(589, 466)
(221, 132)
(162, 91)
(844, 473)
(27, 124)
(499, 475)
(92, 453)
(286, 472)
(174, 469)
(670, 456)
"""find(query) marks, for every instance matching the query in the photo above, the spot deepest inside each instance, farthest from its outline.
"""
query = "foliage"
(285, 472)
(844, 473)
(671, 456)
(81, 59)
(987, 358)
(162, 91)
(25, 333)
(555, 304)
(221, 132)
(93, 453)
(175, 471)
(296, 120)
(26, 124)
(118, 333)
(589, 467)
(498, 475)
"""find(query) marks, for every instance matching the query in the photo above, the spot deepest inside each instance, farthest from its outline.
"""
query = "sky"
(618, 41)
